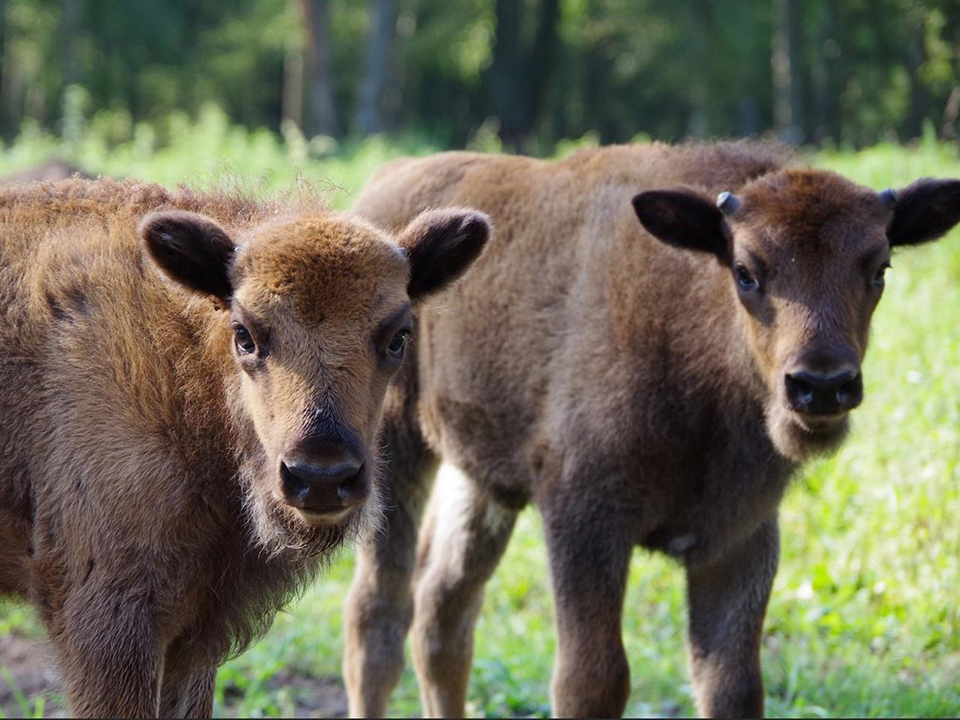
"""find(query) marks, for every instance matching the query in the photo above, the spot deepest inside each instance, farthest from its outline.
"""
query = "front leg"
(187, 690)
(727, 601)
(110, 656)
(589, 550)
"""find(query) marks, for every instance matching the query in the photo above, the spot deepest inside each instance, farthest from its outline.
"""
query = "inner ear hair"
(440, 246)
(924, 211)
(685, 219)
(192, 250)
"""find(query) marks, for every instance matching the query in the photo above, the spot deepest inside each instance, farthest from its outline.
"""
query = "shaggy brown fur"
(630, 379)
(177, 453)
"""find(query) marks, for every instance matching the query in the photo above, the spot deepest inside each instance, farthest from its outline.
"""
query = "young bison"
(177, 453)
(651, 383)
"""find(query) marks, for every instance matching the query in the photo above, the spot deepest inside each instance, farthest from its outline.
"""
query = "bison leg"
(379, 606)
(111, 660)
(462, 541)
(589, 561)
(186, 692)
(727, 600)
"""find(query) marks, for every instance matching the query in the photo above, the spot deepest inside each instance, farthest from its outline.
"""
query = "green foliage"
(869, 69)
(209, 150)
(863, 620)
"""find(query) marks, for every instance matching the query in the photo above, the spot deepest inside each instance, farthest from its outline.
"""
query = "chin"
(342, 519)
(801, 438)
(282, 530)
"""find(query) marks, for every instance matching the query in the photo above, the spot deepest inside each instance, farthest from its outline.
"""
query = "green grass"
(864, 615)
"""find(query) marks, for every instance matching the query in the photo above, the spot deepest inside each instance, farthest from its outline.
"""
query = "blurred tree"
(377, 64)
(786, 64)
(521, 68)
(71, 13)
(292, 110)
(529, 71)
(822, 63)
(322, 116)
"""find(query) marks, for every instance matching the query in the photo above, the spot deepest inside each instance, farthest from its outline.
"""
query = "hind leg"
(463, 538)
(379, 606)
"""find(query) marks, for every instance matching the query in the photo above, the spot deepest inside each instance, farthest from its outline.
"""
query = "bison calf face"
(807, 253)
(317, 314)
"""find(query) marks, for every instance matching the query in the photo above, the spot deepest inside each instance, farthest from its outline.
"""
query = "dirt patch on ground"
(306, 697)
(28, 678)
(29, 684)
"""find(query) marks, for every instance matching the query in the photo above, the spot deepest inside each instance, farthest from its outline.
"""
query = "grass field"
(864, 619)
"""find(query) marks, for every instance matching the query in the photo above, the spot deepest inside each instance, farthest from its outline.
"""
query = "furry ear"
(685, 220)
(440, 245)
(924, 211)
(190, 249)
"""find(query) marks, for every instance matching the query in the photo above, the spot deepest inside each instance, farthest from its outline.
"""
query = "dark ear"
(924, 211)
(190, 249)
(441, 245)
(685, 220)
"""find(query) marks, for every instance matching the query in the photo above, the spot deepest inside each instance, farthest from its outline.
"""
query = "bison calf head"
(806, 253)
(316, 313)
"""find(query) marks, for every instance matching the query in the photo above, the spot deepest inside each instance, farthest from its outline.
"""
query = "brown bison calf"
(651, 383)
(176, 453)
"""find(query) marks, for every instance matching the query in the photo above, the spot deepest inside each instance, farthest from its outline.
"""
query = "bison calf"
(189, 418)
(651, 381)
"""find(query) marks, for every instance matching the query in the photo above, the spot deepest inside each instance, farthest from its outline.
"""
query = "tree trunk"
(521, 74)
(71, 12)
(543, 60)
(370, 100)
(11, 86)
(508, 87)
(322, 114)
(822, 76)
(786, 64)
(914, 57)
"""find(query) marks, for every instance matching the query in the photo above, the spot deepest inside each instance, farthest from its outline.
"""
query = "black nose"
(816, 393)
(324, 487)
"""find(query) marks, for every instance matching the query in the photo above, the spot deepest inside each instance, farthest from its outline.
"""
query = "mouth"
(819, 424)
(325, 517)
(801, 436)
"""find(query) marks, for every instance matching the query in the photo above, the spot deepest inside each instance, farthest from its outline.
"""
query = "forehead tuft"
(322, 264)
(812, 205)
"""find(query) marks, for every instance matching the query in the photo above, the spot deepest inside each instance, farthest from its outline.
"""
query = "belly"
(725, 512)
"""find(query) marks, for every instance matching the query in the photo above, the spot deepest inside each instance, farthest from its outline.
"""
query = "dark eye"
(399, 343)
(245, 343)
(878, 279)
(745, 280)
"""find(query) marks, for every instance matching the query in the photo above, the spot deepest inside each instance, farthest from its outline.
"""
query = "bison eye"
(398, 344)
(745, 280)
(245, 343)
(878, 279)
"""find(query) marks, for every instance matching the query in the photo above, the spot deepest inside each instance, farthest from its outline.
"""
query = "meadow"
(864, 619)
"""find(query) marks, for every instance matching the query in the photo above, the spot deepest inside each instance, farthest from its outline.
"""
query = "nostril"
(799, 391)
(354, 489)
(293, 485)
(324, 488)
(820, 394)
(850, 393)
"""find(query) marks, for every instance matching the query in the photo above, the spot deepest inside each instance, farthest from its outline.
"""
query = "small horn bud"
(728, 203)
(889, 198)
